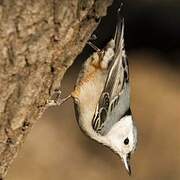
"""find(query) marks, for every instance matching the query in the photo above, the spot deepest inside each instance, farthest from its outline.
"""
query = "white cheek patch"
(120, 131)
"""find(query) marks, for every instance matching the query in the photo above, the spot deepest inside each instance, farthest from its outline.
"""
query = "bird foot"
(56, 99)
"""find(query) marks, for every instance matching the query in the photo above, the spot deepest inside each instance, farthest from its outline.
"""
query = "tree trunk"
(39, 40)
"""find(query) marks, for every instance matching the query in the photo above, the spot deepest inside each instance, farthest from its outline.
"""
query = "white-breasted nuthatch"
(102, 98)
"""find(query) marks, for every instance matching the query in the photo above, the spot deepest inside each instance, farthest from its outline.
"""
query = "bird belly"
(87, 95)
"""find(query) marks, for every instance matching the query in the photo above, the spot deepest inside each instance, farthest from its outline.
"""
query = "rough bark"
(39, 40)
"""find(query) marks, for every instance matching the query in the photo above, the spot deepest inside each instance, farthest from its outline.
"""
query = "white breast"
(89, 95)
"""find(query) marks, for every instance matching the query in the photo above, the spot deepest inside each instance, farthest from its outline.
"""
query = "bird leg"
(93, 37)
(57, 100)
(93, 46)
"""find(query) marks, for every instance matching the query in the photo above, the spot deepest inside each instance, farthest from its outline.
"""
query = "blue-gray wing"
(114, 101)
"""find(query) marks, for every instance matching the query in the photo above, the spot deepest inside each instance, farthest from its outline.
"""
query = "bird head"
(122, 139)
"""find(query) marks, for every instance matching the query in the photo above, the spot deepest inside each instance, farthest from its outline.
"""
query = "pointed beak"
(126, 161)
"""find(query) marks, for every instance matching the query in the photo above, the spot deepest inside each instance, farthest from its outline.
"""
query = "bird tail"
(119, 33)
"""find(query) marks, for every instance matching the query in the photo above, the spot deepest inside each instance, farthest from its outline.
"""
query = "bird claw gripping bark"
(56, 99)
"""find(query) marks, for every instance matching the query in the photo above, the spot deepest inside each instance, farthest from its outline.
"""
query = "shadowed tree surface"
(39, 40)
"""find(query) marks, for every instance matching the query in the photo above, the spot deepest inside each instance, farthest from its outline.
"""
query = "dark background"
(149, 25)
(56, 148)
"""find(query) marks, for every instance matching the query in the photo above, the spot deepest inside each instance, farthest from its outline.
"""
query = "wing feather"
(114, 100)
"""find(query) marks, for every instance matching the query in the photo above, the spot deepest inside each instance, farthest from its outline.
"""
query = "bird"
(102, 97)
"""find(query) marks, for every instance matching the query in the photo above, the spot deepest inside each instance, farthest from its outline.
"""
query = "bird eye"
(126, 141)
